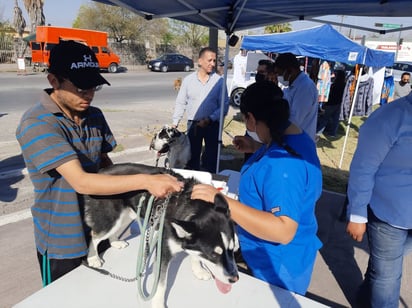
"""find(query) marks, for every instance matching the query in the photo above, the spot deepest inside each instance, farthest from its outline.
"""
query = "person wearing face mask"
(402, 87)
(278, 190)
(300, 91)
(264, 73)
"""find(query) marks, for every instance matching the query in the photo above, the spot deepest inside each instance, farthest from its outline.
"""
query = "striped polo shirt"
(49, 139)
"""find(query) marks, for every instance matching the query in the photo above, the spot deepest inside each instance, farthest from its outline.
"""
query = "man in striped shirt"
(64, 142)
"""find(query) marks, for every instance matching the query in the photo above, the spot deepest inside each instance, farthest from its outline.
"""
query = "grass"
(329, 151)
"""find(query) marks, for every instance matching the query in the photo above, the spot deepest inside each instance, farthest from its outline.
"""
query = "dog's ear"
(221, 204)
(183, 229)
(176, 132)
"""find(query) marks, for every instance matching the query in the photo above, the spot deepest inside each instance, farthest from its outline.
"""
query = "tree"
(35, 10)
(121, 24)
(19, 25)
(189, 35)
(278, 28)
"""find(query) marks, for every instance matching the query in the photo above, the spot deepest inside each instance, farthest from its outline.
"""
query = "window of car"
(403, 67)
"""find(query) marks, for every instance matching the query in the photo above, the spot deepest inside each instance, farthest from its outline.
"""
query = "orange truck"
(47, 37)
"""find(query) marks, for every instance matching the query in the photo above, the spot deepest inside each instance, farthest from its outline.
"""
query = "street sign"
(389, 26)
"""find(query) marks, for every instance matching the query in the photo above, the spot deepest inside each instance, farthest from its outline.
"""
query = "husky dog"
(173, 142)
(203, 230)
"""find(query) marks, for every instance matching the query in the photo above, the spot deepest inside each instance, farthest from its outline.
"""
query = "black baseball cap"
(77, 63)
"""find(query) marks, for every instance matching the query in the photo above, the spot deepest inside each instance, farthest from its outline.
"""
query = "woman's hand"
(246, 144)
(204, 192)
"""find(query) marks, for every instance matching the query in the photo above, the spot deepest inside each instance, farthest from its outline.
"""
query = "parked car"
(401, 67)
(171, 62)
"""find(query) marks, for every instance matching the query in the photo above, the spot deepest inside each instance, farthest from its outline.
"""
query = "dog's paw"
(119, 244)
(95, 261)
(199, 271)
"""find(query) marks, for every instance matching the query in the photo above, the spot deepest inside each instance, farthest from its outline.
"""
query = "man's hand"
(161, 185)
(203, 122)
(356, 230)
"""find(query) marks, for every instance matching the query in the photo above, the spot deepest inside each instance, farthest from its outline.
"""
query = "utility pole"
(398, 44)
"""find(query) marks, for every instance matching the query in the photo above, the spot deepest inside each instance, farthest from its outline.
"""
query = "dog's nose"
(233, 279)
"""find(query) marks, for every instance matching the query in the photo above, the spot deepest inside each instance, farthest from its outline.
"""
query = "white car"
(401, 67)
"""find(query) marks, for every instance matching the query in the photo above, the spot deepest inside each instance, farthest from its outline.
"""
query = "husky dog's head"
(164, 138)
(209, 235)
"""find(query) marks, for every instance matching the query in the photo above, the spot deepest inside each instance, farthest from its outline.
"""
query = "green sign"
(389, 26)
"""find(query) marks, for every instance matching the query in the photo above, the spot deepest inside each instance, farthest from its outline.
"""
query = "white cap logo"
(87, 62)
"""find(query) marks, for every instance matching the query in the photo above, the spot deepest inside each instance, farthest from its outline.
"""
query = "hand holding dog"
(204, 192)
(160, 185)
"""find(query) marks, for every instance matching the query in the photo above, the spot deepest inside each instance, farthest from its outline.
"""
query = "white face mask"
(254, 136)
(282, 81)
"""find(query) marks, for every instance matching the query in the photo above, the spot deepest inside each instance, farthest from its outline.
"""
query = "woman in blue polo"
(278, 190)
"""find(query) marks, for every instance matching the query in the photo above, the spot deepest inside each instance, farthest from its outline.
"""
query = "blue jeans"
(209, 135)
(387, 245)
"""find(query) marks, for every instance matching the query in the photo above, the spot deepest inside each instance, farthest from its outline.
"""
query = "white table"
(86, 288)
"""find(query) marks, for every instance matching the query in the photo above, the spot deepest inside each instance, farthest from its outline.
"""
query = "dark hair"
(286, 60)
(204, 50)
(405, 74)
(265, 101)
(265, 62)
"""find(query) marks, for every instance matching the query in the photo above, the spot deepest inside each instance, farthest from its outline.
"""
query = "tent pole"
(222, 102)
(355, 94)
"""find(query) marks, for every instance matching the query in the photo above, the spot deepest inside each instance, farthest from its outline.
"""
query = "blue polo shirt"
(273, 180)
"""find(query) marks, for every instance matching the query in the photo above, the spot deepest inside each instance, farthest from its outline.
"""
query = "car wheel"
(187, 68)
(235, 97)
(112, 68)
(164, 69)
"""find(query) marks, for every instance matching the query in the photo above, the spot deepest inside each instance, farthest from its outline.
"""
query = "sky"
(62, 13)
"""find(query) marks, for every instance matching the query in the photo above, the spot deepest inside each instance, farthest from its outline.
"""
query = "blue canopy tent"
(321, 42)
(234, 15)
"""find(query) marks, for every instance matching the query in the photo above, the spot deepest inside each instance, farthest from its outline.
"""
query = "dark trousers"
(329, 120)
(209, 135)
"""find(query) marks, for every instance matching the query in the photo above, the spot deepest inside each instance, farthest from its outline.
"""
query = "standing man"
(200, 96)
(64, 142)
(403, 86)
(300, 91)
(380, 194)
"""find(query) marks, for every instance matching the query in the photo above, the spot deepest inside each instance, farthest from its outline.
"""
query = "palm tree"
(19, 25)
(18, 21)
(35, 10)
